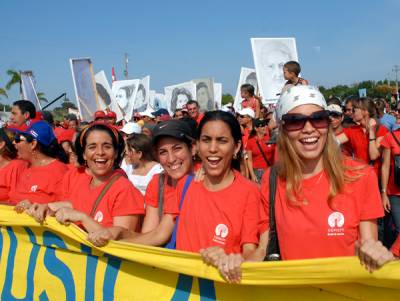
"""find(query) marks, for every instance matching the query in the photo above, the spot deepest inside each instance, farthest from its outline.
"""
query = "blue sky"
(338, 42)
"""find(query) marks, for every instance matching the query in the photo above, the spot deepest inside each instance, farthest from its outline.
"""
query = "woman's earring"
(235, 156)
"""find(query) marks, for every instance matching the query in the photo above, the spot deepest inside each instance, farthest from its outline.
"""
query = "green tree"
(41, 97)
(15, 78)
(3, 92)
(227, 98)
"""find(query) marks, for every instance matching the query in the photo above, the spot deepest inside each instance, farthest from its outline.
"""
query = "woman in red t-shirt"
(323, 202)
(260, 152)
(99, 147)
(10, 167)
(41, 181)
(173, 144)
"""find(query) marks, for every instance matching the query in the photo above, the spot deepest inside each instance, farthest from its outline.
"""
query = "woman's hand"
(100, 238)
(199, 176)
(230, 267)
(38, 212)
(373, 255)
(22, 206)
(385, 202)
(212, 255)
(54, 207)
(67, 215)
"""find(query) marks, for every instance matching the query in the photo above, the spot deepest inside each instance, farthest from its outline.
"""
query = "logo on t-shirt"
(221, 232)
(336, 223)
(34, 188)
(99, 217)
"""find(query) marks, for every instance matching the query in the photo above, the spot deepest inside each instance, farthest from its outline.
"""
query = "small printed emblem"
(99, 217)
(336, 223)
(34, 188)
(221, 233)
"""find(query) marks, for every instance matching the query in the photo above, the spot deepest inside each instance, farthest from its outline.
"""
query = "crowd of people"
(310, 179)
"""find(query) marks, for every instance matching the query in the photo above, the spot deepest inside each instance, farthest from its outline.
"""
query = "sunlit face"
(193, 110)
(132, 156)
(358, 114)
(287, 74)
(174, 156)
(17, 118)
(348, 111)
(181, 101)
(24, 148)
(308, 142)
(99, 153)
(73, 124)
(336, 121)
(202, 96)
(244, 94)
(122, 99)
(178, 115)
(216, 148)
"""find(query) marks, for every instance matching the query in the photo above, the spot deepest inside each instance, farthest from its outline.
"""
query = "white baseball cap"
(248, 112)
(335, 108)
(296, 96)
(131, 128)
(147, 113)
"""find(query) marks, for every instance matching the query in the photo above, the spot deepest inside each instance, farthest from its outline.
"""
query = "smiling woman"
(324, 202)
(97, 195)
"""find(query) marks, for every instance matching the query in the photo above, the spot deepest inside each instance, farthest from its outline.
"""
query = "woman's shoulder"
(244, 184)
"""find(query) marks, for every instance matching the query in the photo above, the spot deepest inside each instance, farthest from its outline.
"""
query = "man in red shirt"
(22, 112)
(193, 109)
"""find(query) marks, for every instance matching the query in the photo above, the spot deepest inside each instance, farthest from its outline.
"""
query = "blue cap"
(41, 131)
(160, 112)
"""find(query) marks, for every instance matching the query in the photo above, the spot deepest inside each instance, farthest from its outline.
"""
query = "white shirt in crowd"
(141, 182)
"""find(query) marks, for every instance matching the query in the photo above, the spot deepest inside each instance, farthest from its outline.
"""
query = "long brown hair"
(290, 167)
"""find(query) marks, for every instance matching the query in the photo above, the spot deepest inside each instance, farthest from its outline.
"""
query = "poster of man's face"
(142, 95)
(85, 87)
(270, 54)
(247, 76)
(105, 95)
(124, 92)
(205, 93)
(218, 95)
(178, 95)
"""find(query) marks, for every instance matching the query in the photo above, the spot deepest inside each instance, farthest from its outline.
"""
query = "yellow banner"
(55, 262)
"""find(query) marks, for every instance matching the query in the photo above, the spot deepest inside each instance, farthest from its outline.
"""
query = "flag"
(113, 77)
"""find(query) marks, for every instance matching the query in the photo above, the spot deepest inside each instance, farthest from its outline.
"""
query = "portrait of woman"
(180, 96)
(125, 95)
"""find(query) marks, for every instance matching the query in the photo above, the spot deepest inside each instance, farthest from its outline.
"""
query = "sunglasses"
(335, 115)
(18, 138)
(295, 122)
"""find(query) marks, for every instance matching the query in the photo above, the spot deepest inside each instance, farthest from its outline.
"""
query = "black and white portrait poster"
(142, 95)
(218, 95)
(270, 54)
(28, 89)
(85, 87)
(205, 93)
(247, 76)
(157, 101)
(124, 92)
(105, 95)
(177, 96)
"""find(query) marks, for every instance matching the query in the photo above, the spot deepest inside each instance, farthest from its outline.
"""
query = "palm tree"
(15, 79)
(41, 97)
(3, 92)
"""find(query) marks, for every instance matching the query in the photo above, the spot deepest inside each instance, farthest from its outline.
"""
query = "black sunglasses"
(19, 137)
(335, 114)
(260, 125)
(295, 122)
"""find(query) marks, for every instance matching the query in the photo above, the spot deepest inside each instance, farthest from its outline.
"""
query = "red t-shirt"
(121, 199)
(251, 103)
(227, 218)
(313, 229)
(389, 143)
(9, 175)
(396, 247)
(171, 194)
(199, 118)
(359, 141)
(268, 150)
(345, 147)
(39, 184)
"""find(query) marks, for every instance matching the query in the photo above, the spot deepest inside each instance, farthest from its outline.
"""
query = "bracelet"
(372, 139)
(383, 190)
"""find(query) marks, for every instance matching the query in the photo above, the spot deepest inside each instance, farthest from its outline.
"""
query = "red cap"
(99, 114)
(111, 114)
(65, 135)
